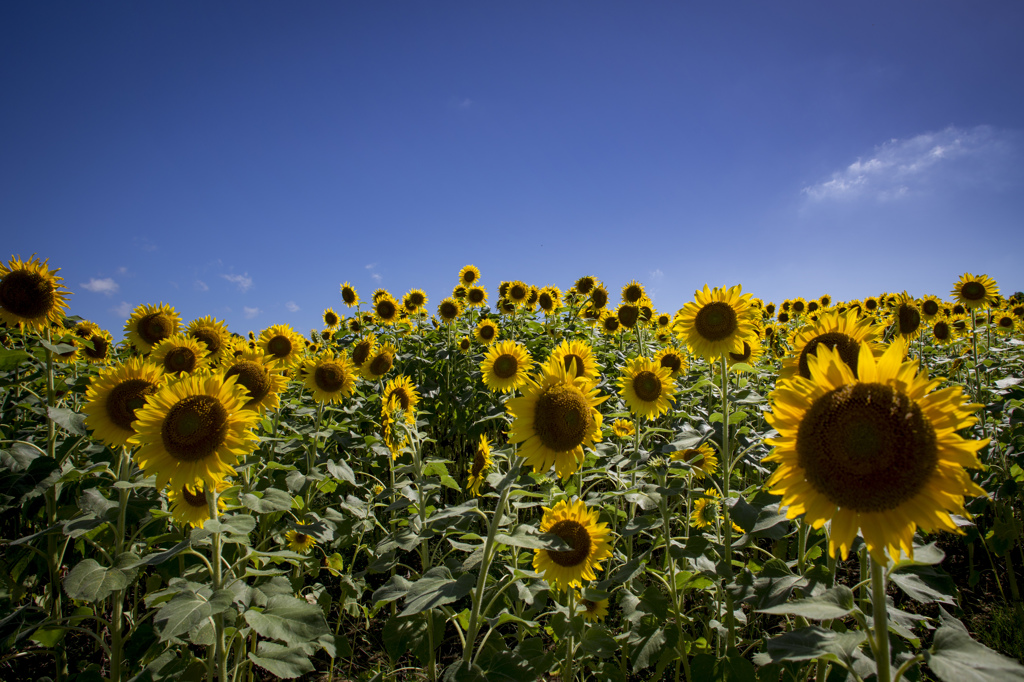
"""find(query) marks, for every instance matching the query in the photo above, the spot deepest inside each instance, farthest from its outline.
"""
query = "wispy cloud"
(292, 307)
(144, 244)
(200, 285)
(101, 286)
(243, 282)
(250, 312)
(657, 274)
(123, 310)
(375, 275)
(901, 167)
(123, 270)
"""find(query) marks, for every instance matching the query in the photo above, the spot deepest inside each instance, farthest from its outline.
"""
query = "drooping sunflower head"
(598, 296)
(349, 295)
(702, 459)
(262, 383)
(214, 333)
(282, 345)
(633, 292)
(194, 428)
(469, 275)
(717, 322)
(402, 390)
(379, 362)
(554, 419)
(587, 539)
(506, 366)
(180, 354)
(647, 387)
(31, 294)
(671, 359)
(705, 509)
(115, 395)
(623, 428)
(480, 466)
(329, 377)
(973, 291)
(878, 451)
(355, 325)
(449, 310)
(476, 296)
(842, 332)
(592, 611)
(577, 354)
(386, 309)
(188, 503)
(486, 332)
(150, 324)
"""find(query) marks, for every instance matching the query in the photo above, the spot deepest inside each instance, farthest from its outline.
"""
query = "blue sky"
(242, 159)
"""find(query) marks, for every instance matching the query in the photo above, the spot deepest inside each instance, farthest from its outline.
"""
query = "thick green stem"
(881, 621)
(568, 673)
(117, 617)
(730, 617)
(220, 655)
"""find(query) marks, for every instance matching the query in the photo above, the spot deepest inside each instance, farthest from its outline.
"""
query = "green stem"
(568, 671)
(730, 617)
(220, 656)
(881, 621)
(117, 617)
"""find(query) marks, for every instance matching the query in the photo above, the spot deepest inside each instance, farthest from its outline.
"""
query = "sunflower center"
(27, 294)
(361, 352)
(402, 397)
(798, 307)
(279, 346)
(449, 311)
(847, 347)
(574, 534)
(300, 539)
(745, 355)
(479, 462)
(330, 319)
(194, 428)
(611, 324)
(211, 339)
(386, 309)
(487, 332)
(1006, 322)
(198, 499)
(866, 447)
(329, 377)
(518, 292)
(633, 293)
(125, 399)
(99, 348)
(464, 344)
(930, 307)
(647, 386)
(253, 376)
(348, 296)
(628, 315)
(973, 291)
(588, 606)
(599, 298)
(569, 359)
(672, 361)
(505, 366)
(941, 330)
(468, 277)
(562, 418)
(910, 319)
(380, 365)
(155, 327)
(180, 359)
(716, 321)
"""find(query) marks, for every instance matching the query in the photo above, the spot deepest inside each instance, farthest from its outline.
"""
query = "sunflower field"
(517, 484)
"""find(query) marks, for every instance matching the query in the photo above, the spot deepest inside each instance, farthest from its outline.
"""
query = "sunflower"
(647, 387)
(628, 315)
(331, 319)
(300, 543)
(180, 354)
(329, 377)
(263, 383)
(930, 308)
(403, 390)
(608, 323)
(518, 293)
(505, 306)
(663, 320)
(716, 323)
(623, 428)
(769, 311)
(506, 366)
(579, 352)
(550, 299)
(282, 345)
(449, 309)
(975, 291)
(386, 308)
(469, 275)
(798, 306)
(825, 300)
(379, 362)
(633, 292)
(486, 332)
(532, 298)
(363, 350)
(783, 317)
(481, 465)
(1005, 322)
(214, 333)
(585, 284)
(844, 333)
(554, 419)
(598, 297)
(749, 356)
(906, 317)
(593, 611)
(1017, 310)
(702, 459)
(476, 296)
(113, 397)
(671, 359)
(578, 527)
(150, 324)
(465, 345)
(31, 294)
(813, 306)
(102, 342)
(67, 338)
(188, 503)
(705, 509)
(944, 332)
(349, 295)
(194, 428)
(878, 451)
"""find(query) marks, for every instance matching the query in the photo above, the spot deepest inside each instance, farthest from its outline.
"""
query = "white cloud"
(101, 286)
(243, 282)
(376, 276)
(292, 307)
(657, 274)
(123, 310)
(371, 266)
(201, 285)
(250, 312)
(901, 167)
(122, 270)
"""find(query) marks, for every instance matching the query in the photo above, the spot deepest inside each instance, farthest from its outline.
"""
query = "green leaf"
(402, 635)
(598, 642)
(832, 603)
(435, 588)
(267, 501)
(184, 612)
(728, 669)
(283, 661)
(530, 538)
(10, 359)
(646, 642)
(341, 470)
(293, 621)
(807, 644)
(90, 581)
(955, 657)
(926, 584)
(69, 420)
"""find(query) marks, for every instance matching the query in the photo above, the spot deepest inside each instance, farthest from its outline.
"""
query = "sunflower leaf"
(10, 359)
(69, 420)
(283, 661)
(806, 644)
(295, 622)
(955, 657)
(528, 537)
(832, 603)
(435, 588)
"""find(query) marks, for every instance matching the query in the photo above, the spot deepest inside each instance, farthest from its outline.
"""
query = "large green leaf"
(293, 621)
(832, 603)
(926, 584)
(10, 359)
(69, 420)
(184, 612)
(955, 657)
(728, 669)
(530, 538)
(283, 661)
(435, 588)
(267, 501)
(807, 644)
(90, 581)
